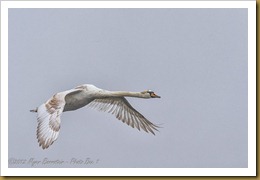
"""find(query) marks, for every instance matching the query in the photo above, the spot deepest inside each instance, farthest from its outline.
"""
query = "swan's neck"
(125, 93)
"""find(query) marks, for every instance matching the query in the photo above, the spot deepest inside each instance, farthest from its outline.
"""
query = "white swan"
(108, 101)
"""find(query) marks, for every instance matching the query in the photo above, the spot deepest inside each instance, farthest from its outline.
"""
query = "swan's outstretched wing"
(123, 111)
(48, 125)
(49, 118)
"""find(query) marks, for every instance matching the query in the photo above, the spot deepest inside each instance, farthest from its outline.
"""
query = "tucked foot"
(33, 110)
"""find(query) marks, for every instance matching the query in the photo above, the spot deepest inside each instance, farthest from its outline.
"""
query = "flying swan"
(48, 114)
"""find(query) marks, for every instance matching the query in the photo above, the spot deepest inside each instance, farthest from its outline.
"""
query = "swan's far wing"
(49, 120)
(123, 111)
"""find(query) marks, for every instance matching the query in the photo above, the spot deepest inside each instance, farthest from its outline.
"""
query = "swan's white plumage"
(49, 113)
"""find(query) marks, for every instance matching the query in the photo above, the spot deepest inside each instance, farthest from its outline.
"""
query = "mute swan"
(48, 114)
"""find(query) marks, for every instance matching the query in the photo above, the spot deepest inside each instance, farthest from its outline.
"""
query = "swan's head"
(150, 94)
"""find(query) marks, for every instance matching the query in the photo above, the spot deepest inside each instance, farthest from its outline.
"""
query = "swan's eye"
(150, 92)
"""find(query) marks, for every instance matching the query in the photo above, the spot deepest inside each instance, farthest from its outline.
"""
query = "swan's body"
(109, 101)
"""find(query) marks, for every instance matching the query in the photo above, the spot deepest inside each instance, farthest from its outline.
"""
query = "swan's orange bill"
(155, 96)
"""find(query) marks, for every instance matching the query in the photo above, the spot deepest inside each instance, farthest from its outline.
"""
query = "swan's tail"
(34, 110)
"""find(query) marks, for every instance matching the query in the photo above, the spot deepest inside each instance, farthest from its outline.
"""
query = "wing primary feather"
(123, 111)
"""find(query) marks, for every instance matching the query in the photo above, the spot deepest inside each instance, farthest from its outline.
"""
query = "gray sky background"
(195, 59)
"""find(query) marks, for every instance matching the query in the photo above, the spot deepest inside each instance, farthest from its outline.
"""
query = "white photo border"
(250, 171)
